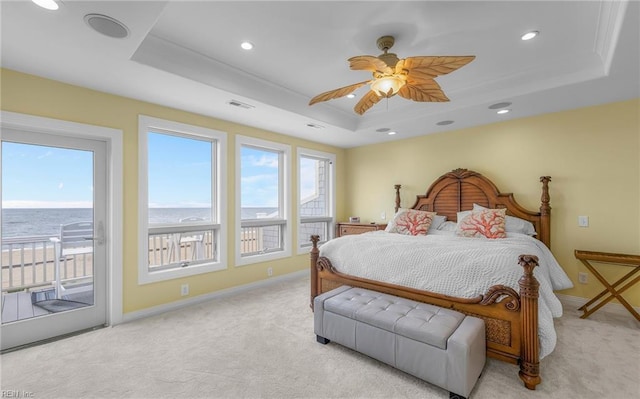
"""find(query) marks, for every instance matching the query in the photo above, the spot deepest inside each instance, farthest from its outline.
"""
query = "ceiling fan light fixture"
(387, 86)
(412, 78)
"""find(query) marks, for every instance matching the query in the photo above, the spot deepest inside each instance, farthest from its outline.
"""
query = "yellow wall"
(592, 154)
(42, 97)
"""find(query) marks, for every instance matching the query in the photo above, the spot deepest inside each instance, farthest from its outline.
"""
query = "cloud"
(308, 180)
(45, 155)
(60, 185)
(257, 179)
(265, 160)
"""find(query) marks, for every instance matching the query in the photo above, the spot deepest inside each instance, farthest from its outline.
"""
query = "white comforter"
(451, 265)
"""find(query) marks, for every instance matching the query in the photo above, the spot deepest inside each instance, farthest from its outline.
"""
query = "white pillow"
(512, 224)
(438, 220)
(448, 226)
(462, 215)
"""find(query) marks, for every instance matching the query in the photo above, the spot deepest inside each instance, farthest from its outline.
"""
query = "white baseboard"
(575, 302)
(155, 310)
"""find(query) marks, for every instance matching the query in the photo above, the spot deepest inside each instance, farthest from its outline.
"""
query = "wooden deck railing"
(29, 262)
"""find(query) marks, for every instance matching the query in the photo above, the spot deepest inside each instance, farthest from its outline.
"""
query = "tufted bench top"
(422, 322)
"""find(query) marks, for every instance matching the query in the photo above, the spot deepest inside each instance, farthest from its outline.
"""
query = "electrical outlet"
(383, 216)
(583, 278)
(184, 289)
(270, 271)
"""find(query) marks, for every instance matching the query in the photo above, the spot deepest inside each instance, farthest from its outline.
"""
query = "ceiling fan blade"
(337, 93)
(369, 63)
(367, 101)
(429, 67)
(427, 91)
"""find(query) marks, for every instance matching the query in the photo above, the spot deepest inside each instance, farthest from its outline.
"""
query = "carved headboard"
(459, 189)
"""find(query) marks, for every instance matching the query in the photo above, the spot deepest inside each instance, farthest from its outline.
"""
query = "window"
(181, 180)
(262, 188)
(316, 197)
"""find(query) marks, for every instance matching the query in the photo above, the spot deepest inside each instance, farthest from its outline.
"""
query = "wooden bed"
(511, 317)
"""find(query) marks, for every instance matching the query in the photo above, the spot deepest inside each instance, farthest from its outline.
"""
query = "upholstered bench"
(441, 346)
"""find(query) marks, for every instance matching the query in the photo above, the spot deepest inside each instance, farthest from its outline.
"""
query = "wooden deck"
(18, 306)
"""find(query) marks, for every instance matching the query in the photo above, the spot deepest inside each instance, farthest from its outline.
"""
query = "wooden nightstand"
(345, 229)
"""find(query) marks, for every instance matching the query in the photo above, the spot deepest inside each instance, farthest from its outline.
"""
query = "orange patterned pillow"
(487, 223)
(411, 222)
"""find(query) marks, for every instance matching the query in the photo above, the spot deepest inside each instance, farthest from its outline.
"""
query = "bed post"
(529, 354)
(397, 187)
(545, 212)
(314, 270)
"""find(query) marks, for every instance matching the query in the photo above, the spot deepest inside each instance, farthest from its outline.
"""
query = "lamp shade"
(387, 86)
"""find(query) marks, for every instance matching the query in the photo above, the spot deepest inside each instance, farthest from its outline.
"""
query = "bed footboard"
(511, 318)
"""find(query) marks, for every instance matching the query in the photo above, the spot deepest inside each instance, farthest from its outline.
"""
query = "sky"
(46, 177)
(179, 175)
(179, 172)
(259, 182)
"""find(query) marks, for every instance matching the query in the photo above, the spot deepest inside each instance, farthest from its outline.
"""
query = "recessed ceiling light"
(391, 133)
(246, 45)
(503, 111)
(351, 95)
(47, 4)
(499, 105)
(107, 26)
(444, 123)
(529, 35)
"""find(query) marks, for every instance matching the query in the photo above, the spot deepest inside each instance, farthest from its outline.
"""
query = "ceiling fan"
(412, 78)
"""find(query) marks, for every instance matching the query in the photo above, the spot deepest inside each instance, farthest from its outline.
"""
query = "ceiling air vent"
(240, 104)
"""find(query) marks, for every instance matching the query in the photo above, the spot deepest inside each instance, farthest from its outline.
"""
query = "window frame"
(146, 124)
(305, 247)
(284, 193)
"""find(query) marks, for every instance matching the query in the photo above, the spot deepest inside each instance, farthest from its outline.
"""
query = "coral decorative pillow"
(514, 224)
(489, 223)
(411, 222)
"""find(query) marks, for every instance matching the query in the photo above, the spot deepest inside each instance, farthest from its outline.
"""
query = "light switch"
(583, 221)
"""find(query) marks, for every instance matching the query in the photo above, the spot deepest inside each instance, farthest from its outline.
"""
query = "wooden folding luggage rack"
(612, 290)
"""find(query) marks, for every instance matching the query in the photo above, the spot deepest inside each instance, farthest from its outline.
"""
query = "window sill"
(252, 259)
(147, 277)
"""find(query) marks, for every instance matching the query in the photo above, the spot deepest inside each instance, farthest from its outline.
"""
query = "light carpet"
(260, 344)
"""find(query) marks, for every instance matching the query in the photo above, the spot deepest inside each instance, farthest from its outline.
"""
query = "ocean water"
(37, 222)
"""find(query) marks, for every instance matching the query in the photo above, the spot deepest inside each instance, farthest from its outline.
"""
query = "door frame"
(114, 226)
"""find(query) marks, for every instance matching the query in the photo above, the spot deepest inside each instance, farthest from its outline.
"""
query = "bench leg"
(455, 396)
(322, 340)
